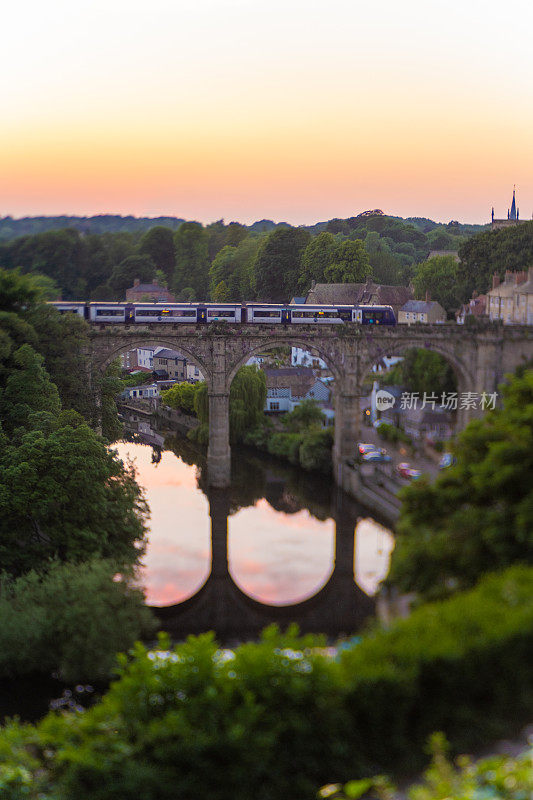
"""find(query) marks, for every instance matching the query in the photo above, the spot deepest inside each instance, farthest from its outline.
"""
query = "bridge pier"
(347, 431)
(218, 451)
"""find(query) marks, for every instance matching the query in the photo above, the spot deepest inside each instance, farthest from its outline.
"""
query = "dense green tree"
(423, 371)
(17, 292)
(222, 269)
(278, 264)
(181, 396)
(306, 414)
(478, 514)
(235, 234)
(217, 234)
(61, 339)
(66, 496)
(28, 390)
(72, 619)
(158, 244)
(351, 264)
(494, 252)
(242, 284)
(61, 255)
(319, 254)
(191, 243)
(123, 275)
(438, 276)
(221, 293)
(246, 401)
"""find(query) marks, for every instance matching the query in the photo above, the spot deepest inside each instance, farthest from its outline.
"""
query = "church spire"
(512, 213)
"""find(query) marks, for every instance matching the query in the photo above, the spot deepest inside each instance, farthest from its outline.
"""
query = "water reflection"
(283, 545)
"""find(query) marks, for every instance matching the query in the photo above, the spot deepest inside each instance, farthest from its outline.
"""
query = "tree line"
(222, 261)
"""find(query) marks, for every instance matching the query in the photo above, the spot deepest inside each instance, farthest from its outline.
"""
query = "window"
(316, 314)
(262, 314)
(222, 313)
(109, 312)
(274, 406)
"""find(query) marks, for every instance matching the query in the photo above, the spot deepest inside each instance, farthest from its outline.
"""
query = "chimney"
(509, 276)
(474, 294)
(521, 277)
(428, 297)
(530, 275)
(137, 282)
(495, 280)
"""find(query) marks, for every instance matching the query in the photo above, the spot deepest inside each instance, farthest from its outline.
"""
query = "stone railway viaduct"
(480, 358)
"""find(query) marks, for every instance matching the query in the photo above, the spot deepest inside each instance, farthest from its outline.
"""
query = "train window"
(109, 312)
(317, 313)
(147, 312)
(222, 313)
(373, 316)
(187, 312)
(269, 314)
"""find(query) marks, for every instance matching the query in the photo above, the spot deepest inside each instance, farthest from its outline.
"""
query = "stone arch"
(261, 347)
(155, 341)
(465, 380)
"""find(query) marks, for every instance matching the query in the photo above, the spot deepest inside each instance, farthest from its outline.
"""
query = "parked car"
(413, 474)
(403, 469)
(376, 457)
(447, 460)
(364, 447)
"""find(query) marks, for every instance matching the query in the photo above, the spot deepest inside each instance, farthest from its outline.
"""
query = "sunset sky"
(297, 111)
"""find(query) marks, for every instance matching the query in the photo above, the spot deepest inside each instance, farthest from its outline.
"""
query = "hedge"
(279, 717)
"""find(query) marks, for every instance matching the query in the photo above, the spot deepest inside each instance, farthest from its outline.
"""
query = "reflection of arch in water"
(339, 607)
(279, 553)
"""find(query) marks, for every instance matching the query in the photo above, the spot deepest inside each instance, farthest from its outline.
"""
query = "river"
(276, 542)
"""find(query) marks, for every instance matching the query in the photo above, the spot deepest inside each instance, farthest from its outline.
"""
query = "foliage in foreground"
(279, 718)
(71, 620)
(479, 512)
(495, 778)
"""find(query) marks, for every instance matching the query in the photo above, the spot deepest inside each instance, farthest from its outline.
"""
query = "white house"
(303, 358)
(278, 400)
(140, 392)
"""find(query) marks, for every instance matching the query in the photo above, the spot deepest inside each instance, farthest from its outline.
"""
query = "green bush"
(315, 451)
(390, 433)
(495, 778)
(71, 620)
(279, 717)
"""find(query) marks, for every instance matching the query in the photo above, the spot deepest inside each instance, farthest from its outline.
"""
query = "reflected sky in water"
(275, 557)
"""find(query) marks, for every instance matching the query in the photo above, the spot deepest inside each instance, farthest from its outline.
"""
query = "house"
(427, 423)
(278, 400)
(319, 392)
(523, 301)
(303, 358)
(501, 298)
(140, 392)
(148, 293)
(298, 379)
(476, 308)
(140, 357)
(193, 373)
(425, 311)
(368, 293)
(170, 364)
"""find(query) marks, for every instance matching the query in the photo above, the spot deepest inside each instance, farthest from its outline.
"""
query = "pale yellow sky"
(296, 110)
